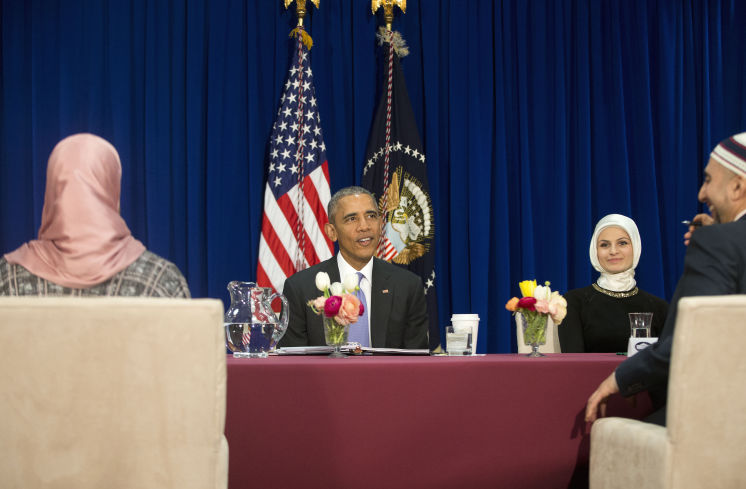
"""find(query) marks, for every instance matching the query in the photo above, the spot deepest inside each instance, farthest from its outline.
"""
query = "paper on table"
(304, 350)
(395, 351)
(349, 348)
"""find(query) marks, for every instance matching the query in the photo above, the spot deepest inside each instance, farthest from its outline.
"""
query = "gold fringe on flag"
(303, 35)
(300, 9)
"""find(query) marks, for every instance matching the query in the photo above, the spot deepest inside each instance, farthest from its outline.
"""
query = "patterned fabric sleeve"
(148, 276)
(171, 283)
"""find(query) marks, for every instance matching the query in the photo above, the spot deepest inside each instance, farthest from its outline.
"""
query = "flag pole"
(395, 171)
(297, 190)
(388, 15)
(300, 32)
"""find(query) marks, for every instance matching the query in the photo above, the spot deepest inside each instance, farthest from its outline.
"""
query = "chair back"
(706, 412)
(112, 392)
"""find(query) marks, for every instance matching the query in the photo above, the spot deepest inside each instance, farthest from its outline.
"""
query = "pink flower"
(542, 306)
(527, 303)
(349, 309)
(362, 310)
(332, 305)
(318, 303)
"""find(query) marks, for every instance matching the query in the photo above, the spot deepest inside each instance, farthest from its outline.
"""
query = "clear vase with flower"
(537, 304)
(335, 335)
(339, 308)
(534, 327)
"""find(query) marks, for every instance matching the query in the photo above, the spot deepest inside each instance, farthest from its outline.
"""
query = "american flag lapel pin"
(385, 291)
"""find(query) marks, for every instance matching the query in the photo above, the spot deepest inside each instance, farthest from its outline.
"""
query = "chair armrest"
(628, 454)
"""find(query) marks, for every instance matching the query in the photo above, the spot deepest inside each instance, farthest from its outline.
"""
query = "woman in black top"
(597, 316)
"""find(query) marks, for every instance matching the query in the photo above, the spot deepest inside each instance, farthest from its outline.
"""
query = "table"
(486, 421)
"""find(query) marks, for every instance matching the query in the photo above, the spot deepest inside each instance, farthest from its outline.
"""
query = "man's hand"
(698, 220)
(597, 401)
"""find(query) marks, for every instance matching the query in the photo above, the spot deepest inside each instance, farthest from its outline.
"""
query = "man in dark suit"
(715, 264)
(397, 310)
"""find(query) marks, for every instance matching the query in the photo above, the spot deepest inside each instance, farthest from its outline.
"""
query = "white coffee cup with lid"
(462, 322)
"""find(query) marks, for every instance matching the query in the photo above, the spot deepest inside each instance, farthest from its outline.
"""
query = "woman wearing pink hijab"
(84, 246)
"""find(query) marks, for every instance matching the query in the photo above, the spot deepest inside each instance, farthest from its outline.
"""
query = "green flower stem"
(336, 334)
(535, 330)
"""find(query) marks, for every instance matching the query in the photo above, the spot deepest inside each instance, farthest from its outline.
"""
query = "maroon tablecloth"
(409, 422)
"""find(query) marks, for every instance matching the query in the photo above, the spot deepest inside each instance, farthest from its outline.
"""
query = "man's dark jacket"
(398, 308)
(715, 264)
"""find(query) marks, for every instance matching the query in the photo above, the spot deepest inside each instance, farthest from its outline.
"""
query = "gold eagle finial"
(388, 9)
(300, 8)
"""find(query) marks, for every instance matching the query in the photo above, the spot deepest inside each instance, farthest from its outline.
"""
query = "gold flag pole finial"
(300, 8)
(388, 9)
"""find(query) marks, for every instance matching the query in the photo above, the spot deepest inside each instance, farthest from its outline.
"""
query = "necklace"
(616, 295)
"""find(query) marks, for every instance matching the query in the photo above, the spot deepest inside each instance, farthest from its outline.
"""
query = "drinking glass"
(458, 341)
(639, 323)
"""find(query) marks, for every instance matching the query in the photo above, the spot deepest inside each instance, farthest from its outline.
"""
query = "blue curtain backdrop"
(538, 118)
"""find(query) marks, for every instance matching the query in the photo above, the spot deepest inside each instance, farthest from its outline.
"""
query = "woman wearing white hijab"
(597, 316)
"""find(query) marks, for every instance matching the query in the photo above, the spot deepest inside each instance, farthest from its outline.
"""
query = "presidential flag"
(395, 171)
(297, 190)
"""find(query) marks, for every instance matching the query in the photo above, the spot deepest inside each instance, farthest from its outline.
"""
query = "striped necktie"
(359, 330)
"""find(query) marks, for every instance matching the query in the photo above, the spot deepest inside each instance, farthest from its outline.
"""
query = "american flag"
(297, 190)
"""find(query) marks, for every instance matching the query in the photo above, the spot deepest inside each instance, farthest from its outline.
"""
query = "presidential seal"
(409, 226)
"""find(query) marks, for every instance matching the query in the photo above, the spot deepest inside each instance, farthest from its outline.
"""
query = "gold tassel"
(304, 37)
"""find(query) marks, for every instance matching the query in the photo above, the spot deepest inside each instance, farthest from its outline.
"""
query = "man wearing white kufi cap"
(715, 264)
(725, 176)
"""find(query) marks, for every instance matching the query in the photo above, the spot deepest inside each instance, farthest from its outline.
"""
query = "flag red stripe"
(277, 248)
(319, 210)
(288, 210)
(325, 169)
(262, 279)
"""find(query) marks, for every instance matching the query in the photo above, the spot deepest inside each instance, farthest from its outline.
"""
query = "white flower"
(337, 289)
(558, 313)
(557, 307)
(322, 281)
(350, 282)
(556, 298)
(542, 292)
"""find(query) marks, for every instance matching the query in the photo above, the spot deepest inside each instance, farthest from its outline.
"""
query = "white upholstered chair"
(112, 393)
(552, 344)
(704, 442)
